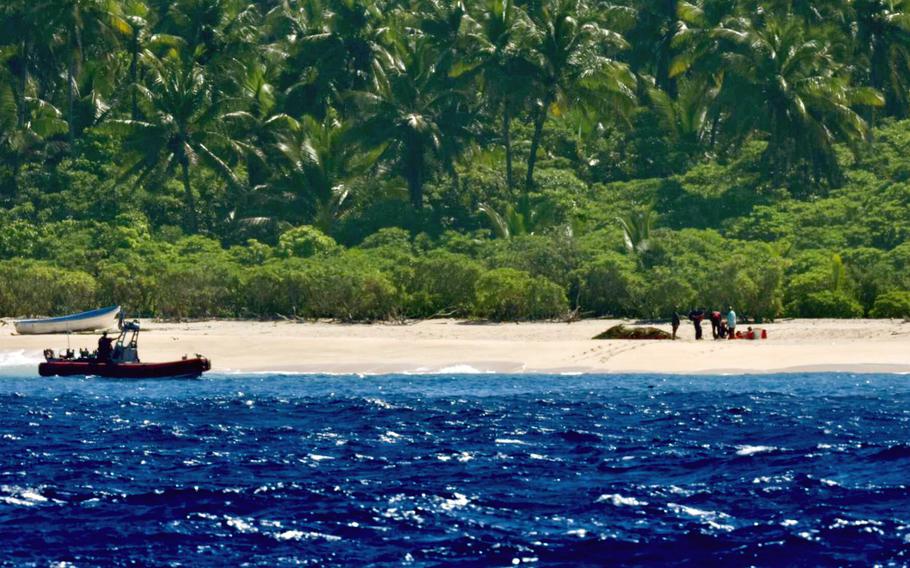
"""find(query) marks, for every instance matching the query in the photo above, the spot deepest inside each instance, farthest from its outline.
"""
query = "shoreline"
(458, 347)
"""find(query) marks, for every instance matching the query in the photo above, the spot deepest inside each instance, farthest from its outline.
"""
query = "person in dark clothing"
(675, 323)
(696, 317)
(105, 347)
(716, 317)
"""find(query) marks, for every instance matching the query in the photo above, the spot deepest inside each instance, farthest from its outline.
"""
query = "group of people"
(721, 326)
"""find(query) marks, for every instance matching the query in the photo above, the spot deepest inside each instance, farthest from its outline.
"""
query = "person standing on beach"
(675, 323)
(696, 316)
(716, 317)
(731, 323)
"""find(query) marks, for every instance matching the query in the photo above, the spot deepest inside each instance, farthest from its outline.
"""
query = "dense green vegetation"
(373, 159)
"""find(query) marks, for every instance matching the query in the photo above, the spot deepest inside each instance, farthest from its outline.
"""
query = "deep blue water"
(468, 470)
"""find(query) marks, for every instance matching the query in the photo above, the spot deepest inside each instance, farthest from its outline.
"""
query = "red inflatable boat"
(190, 367)
(119, 359)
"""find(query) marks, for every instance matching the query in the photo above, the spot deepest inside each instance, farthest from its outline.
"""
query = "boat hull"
(184, 368)
(95, 320)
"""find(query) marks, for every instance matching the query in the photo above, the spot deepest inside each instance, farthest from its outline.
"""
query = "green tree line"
(413, 158)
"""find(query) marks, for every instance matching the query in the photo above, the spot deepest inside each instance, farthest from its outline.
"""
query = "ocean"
(468, 470)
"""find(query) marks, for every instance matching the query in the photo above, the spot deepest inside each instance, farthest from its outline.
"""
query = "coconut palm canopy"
(580, 141)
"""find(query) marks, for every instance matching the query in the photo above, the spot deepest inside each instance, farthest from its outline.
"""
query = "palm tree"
(26, 120)
(686, 117)
(637, 229)
(258, 125)
(651, 39)
(332, 46)
(320, 167)
(182, 127)
(573, 65)
(85, 25)
(882, 38)
(499, 37)
(419, 116)
(785, 83)
(527, 217)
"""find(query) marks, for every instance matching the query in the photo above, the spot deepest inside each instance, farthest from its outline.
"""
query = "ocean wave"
(619, 501)
(752, 450)
(19, 358)
(455, 470)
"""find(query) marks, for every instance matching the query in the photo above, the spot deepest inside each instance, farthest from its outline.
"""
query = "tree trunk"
(191, 219)
(664, 80)
(23, 85)
(415, 175)
(70, 97)
(134, 64)
(507, 142)
(535, 142)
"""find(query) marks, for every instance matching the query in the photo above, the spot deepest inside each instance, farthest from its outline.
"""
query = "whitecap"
(457, 502)
(711, 518)
(620, 501)
(240, 525)
(23, 497)
(302, 535)
(317, 457)
(863, 525)
(461, 369)
(751, 450)
(511, 441)
(789, 523)
(390, 437)
(20, 358)
(580, 533)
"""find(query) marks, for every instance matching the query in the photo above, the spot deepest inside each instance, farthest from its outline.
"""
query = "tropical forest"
(381, 160)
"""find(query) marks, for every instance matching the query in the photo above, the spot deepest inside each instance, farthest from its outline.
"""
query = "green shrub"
(507, 294)
(34, 288)
(305, 241)
(264, 292)
(392, 237)
(750, 280)
(828, 304)
(892, 305)
(344, 290)
(606, 286)
(662, 292)
(17, 239)
(197, 289)
(552, 257)
(253, 253)
(134, 291)
(442, 282)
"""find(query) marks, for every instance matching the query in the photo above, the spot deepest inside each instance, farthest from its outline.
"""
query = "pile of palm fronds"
(622, 332)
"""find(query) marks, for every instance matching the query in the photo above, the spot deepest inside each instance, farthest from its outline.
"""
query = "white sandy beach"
(457, 346)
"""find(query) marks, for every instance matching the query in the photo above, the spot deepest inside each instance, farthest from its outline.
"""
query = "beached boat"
(94, 320)
(184, 368)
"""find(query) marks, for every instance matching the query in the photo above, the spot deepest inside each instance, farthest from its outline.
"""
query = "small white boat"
(94, 320)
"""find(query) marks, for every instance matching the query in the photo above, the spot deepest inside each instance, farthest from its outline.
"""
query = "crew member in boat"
(105, 347)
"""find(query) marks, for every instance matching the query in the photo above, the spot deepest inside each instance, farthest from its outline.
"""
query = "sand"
(460, 346)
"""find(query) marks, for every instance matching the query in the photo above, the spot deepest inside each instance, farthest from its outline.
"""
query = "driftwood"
(622, 332)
